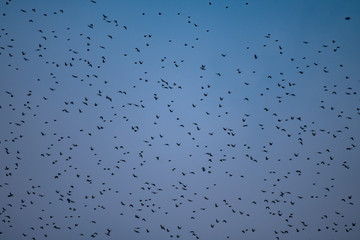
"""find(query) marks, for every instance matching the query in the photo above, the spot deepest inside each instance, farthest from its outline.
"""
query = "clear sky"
(179, 119)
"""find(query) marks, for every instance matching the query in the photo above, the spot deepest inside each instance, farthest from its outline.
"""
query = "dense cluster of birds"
(111, 129)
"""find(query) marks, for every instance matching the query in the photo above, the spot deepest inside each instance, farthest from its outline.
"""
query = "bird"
(119, 119)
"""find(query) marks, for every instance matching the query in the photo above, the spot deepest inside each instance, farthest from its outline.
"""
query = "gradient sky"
(155, 120)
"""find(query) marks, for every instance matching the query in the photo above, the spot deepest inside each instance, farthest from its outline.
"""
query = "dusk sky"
(178, 119)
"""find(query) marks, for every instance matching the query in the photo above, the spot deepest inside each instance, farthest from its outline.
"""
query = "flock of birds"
(110, 131)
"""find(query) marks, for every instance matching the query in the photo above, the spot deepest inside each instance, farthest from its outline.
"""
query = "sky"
(179, 119)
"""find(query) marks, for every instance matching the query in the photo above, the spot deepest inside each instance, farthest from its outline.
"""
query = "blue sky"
(132, 115)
